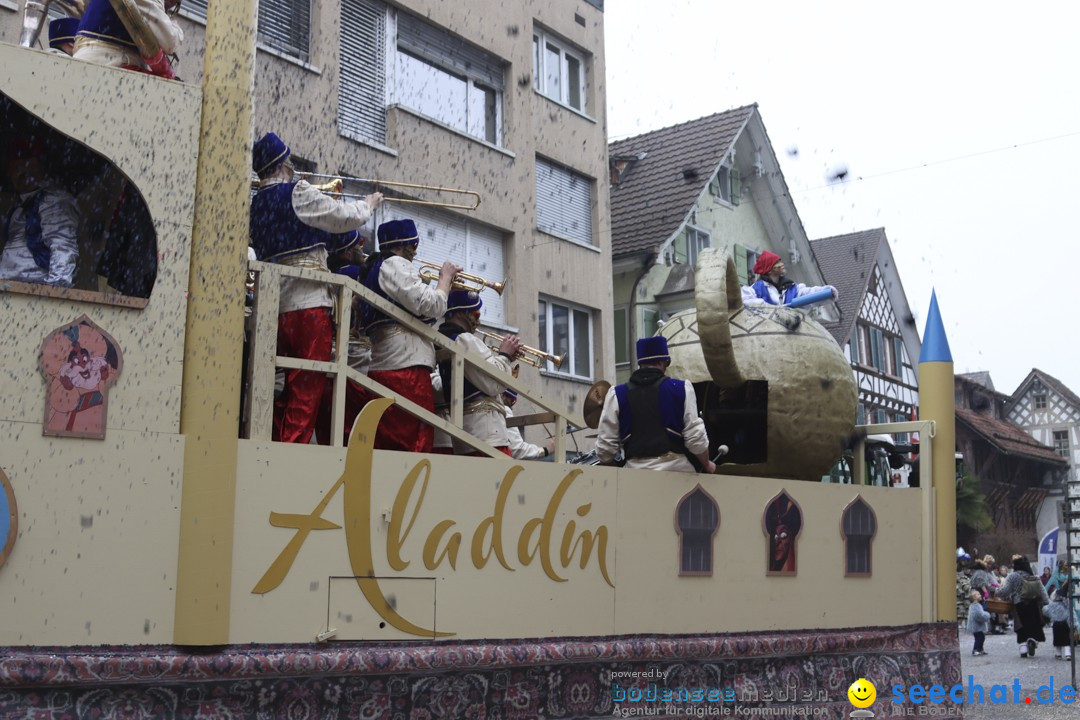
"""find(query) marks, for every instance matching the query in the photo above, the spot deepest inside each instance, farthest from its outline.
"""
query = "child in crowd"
(1058, 610)
(978, 622)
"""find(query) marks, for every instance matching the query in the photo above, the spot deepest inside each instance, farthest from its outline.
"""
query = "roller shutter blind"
(362, 81)
(285, 25)
(563, 202)
(195, 8)
(447, 51)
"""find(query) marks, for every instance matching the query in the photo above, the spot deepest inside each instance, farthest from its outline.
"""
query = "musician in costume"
(295, 224)
(654, 418)
(39, 234)
(772, 288)
(520, 448)
(62, 35)
(140, 39)
(484, 415)
(400, 359)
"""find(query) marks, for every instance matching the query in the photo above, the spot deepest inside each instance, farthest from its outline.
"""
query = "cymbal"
(594, 403)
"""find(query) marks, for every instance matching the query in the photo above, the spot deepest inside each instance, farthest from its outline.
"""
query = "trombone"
(469, 195)
(526, 354)
(429, 272)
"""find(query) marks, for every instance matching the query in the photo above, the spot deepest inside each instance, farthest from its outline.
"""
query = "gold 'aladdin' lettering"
(487, 539)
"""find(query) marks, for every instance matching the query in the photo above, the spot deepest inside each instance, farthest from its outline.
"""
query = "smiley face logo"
(862, 693)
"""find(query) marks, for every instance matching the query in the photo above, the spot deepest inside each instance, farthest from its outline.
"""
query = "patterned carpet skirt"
(760, 674)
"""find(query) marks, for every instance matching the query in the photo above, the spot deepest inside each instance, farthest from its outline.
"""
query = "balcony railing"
(264, 361)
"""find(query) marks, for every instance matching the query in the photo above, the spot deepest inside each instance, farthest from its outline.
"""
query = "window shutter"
(362, 85)
(875, 349)
(563, 202)
(196, 8)
(285, 25)
(733, 176)
(442, 49)
(741, 264)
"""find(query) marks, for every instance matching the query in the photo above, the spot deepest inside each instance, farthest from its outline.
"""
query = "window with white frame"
(477, 248)
(566, 329)
(564, 202)
(692, 242)
(441, 76)
(745, 259)
(431, 72)
(725, 184)
(622, 335)
(558, 70)
(1061, 443)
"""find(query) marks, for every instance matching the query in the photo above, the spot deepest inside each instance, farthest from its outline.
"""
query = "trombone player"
(293, 223)
(484, 414)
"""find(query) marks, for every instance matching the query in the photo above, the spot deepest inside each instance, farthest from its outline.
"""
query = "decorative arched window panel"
(857, 526)
(697, 518)
(782, 524)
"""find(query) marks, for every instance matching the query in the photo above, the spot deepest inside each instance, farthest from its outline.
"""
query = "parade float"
(164, 558)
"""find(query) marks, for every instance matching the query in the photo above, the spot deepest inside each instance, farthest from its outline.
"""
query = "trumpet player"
(292, 223)
(400, 359)
(484, 414)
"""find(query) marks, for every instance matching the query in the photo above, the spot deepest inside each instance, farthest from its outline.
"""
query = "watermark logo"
(862, 695)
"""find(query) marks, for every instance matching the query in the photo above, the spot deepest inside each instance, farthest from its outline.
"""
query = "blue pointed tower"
(937, 404)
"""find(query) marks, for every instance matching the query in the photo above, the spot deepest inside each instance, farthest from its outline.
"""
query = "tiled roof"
(982, 377)
(1053, 383)
(847, 263)
(654, 194)
(1009, 438)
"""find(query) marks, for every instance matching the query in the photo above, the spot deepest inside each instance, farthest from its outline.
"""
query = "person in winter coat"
(1026, 592)
(978, 622)
(1058, 611)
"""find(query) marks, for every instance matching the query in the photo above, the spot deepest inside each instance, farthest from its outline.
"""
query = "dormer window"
(725, 184)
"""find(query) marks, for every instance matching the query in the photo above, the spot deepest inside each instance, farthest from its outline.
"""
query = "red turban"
(765, 263)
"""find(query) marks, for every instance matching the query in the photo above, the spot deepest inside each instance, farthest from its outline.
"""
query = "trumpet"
(526, 354)
(342, 179)
(429, 272)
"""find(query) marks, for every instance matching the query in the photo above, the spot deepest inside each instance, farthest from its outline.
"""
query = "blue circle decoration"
(9, 518)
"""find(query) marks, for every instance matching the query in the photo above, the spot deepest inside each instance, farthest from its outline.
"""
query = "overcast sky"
(958, 124)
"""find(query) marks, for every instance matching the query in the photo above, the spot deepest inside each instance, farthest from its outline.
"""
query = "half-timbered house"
(876, 326)
(1050, 412)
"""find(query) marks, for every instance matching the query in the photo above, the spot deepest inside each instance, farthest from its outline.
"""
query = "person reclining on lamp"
(772, 288)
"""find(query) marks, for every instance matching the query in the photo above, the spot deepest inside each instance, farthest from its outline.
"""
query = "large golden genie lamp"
(772, 383)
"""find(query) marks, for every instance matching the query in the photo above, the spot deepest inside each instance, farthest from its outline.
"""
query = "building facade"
(710, 182)
(876, 328)
(1050, 412)
(1021, 478)
(505, 100)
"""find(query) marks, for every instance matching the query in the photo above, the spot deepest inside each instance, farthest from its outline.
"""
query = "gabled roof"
(847, 262)
(981, 377)
(1009, 438)
(674, 165)
(1051, 382)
